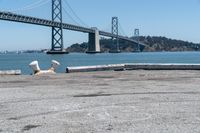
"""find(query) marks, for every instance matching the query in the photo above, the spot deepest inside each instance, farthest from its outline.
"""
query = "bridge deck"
(8, 16)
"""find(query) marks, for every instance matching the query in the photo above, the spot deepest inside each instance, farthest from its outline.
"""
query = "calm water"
(21, 61)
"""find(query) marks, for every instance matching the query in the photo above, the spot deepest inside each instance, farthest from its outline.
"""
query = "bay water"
(21, 61)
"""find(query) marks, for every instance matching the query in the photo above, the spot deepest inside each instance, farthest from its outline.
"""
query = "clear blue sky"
(177, 19)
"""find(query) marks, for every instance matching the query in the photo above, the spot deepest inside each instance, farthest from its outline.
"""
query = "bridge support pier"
(93, 42)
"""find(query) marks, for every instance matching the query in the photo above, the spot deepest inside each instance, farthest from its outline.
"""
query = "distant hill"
(166, 44)
(153, 44)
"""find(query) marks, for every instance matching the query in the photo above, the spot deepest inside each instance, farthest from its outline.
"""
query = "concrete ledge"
(149, 66)
(10, 72)
(134, 66)
(116, 67)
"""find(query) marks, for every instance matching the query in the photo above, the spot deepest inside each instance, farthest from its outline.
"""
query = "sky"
(176, 19)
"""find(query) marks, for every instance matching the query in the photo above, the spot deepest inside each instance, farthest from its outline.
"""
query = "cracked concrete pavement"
(101, 102)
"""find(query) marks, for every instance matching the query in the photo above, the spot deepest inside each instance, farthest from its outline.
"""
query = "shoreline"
(120, 67)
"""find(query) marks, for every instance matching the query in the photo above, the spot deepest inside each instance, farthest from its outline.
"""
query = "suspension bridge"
(57, 25)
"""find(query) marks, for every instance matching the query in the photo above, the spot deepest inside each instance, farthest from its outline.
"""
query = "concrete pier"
(94, 42)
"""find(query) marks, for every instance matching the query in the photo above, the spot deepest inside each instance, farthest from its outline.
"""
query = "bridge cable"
(36, 4)
(74, 13)
(121, 30)
(107, 28)
(65, 11)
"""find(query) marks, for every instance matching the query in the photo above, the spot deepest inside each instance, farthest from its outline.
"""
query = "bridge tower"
(115, 32)
(57, 32)
(137, 37)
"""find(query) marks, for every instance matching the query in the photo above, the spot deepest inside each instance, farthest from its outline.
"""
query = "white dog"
(36, 69)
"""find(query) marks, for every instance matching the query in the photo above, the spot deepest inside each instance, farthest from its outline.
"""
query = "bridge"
(57, 25)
